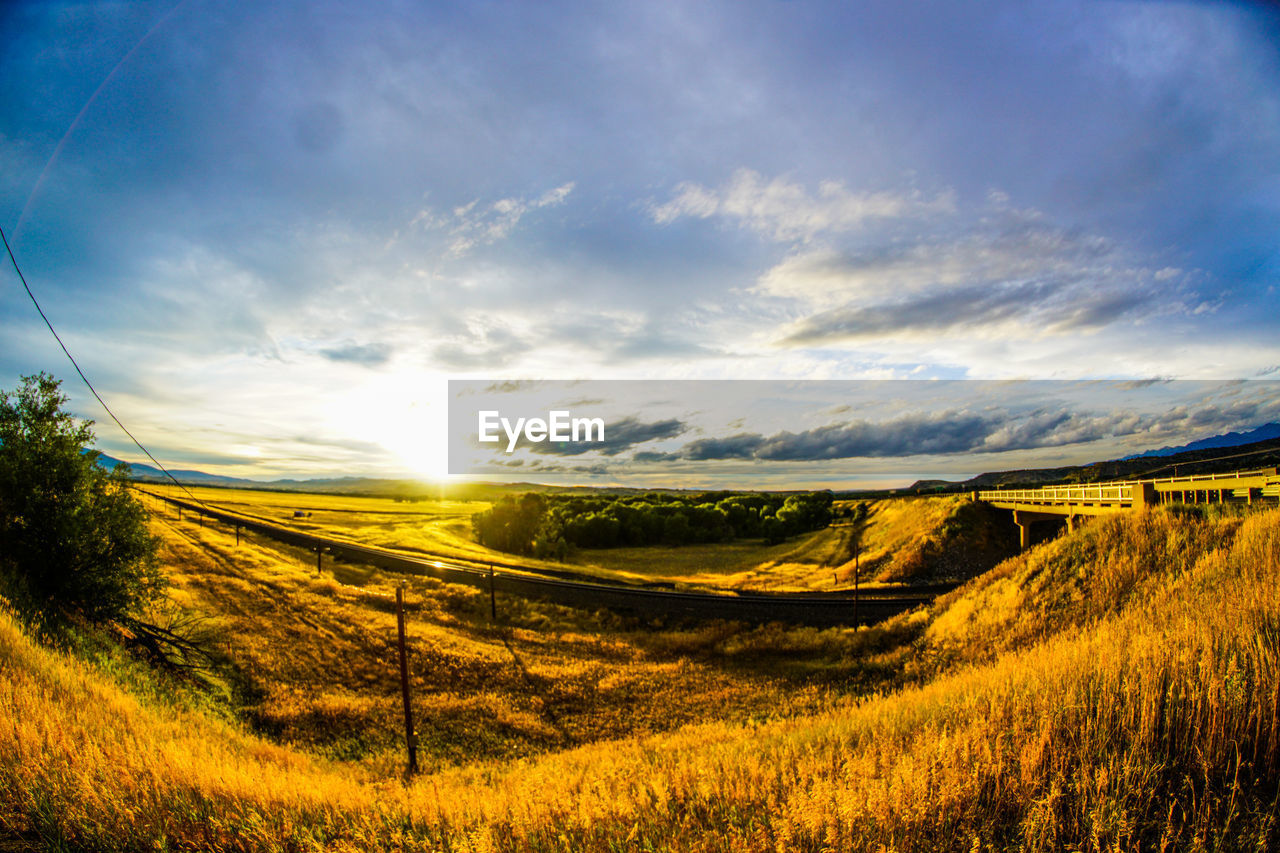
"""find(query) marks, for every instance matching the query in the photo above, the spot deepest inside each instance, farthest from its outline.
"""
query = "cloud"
(943, 433)
(507, 386)
(963, 432)
(1012, 273)
(786, 211)
(473, 225)
(366, 355)
(538, 466)
(741, 446)
(929, 268)
(1046, 428)
(482, 346)
(946, 432)
(1016, 246)
(310, 140)
(624, 338)
(655, 456)
(620, 436)
(1047, 305)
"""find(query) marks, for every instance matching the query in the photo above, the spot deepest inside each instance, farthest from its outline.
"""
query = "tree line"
(549, 525)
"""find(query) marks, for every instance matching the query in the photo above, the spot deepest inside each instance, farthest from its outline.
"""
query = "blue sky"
(270, 231)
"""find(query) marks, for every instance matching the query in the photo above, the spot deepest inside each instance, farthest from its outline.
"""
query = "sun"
(407, 416)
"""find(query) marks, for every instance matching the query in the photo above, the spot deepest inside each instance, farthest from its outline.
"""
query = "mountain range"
(1229, 439)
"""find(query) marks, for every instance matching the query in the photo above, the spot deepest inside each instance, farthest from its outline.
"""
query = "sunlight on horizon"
(405, 414)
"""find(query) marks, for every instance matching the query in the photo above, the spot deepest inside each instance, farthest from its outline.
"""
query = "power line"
(72, 359)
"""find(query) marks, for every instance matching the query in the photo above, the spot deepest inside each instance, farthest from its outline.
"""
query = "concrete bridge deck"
(1072, 502)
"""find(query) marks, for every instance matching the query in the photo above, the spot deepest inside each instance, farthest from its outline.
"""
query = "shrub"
(72, 537)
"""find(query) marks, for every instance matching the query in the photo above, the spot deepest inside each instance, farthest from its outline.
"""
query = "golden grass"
(1132, 701)
(440, 528)
(806, 562)
(311, 659)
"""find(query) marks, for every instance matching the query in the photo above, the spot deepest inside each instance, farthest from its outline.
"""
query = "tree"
(72, 537)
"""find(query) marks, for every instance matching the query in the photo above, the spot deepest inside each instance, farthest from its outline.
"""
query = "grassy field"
(1117, 688)
(900, 540)
(309, 659)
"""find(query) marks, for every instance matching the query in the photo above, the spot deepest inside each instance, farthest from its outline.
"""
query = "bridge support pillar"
(1024, 519)
(1144, 495)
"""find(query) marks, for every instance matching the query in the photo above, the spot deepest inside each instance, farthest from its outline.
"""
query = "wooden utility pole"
(410, 739)
(856, 563)
(493, 600)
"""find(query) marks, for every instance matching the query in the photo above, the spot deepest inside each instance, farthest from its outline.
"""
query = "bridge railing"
(1164, 482)
(1101, 493)
(1122, 492)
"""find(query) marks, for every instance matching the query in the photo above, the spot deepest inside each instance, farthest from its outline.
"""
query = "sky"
(271, 232)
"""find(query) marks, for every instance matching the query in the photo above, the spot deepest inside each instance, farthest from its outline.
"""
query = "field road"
(796, 608)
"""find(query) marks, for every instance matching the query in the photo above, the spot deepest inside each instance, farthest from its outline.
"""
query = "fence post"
(410, 739)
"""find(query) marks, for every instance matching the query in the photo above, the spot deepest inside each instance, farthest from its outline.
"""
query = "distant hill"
(358, 486)
(139, 471)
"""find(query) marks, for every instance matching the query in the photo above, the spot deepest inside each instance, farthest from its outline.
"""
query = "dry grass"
(310, 659)
(805, 562)
(1117, 689)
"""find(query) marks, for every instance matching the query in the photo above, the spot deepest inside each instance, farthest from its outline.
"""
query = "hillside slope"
(1114, 689)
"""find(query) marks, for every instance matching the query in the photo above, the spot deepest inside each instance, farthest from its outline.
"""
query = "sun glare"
(406, 415)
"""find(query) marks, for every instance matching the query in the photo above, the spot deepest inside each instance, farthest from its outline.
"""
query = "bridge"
(1074, 502)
